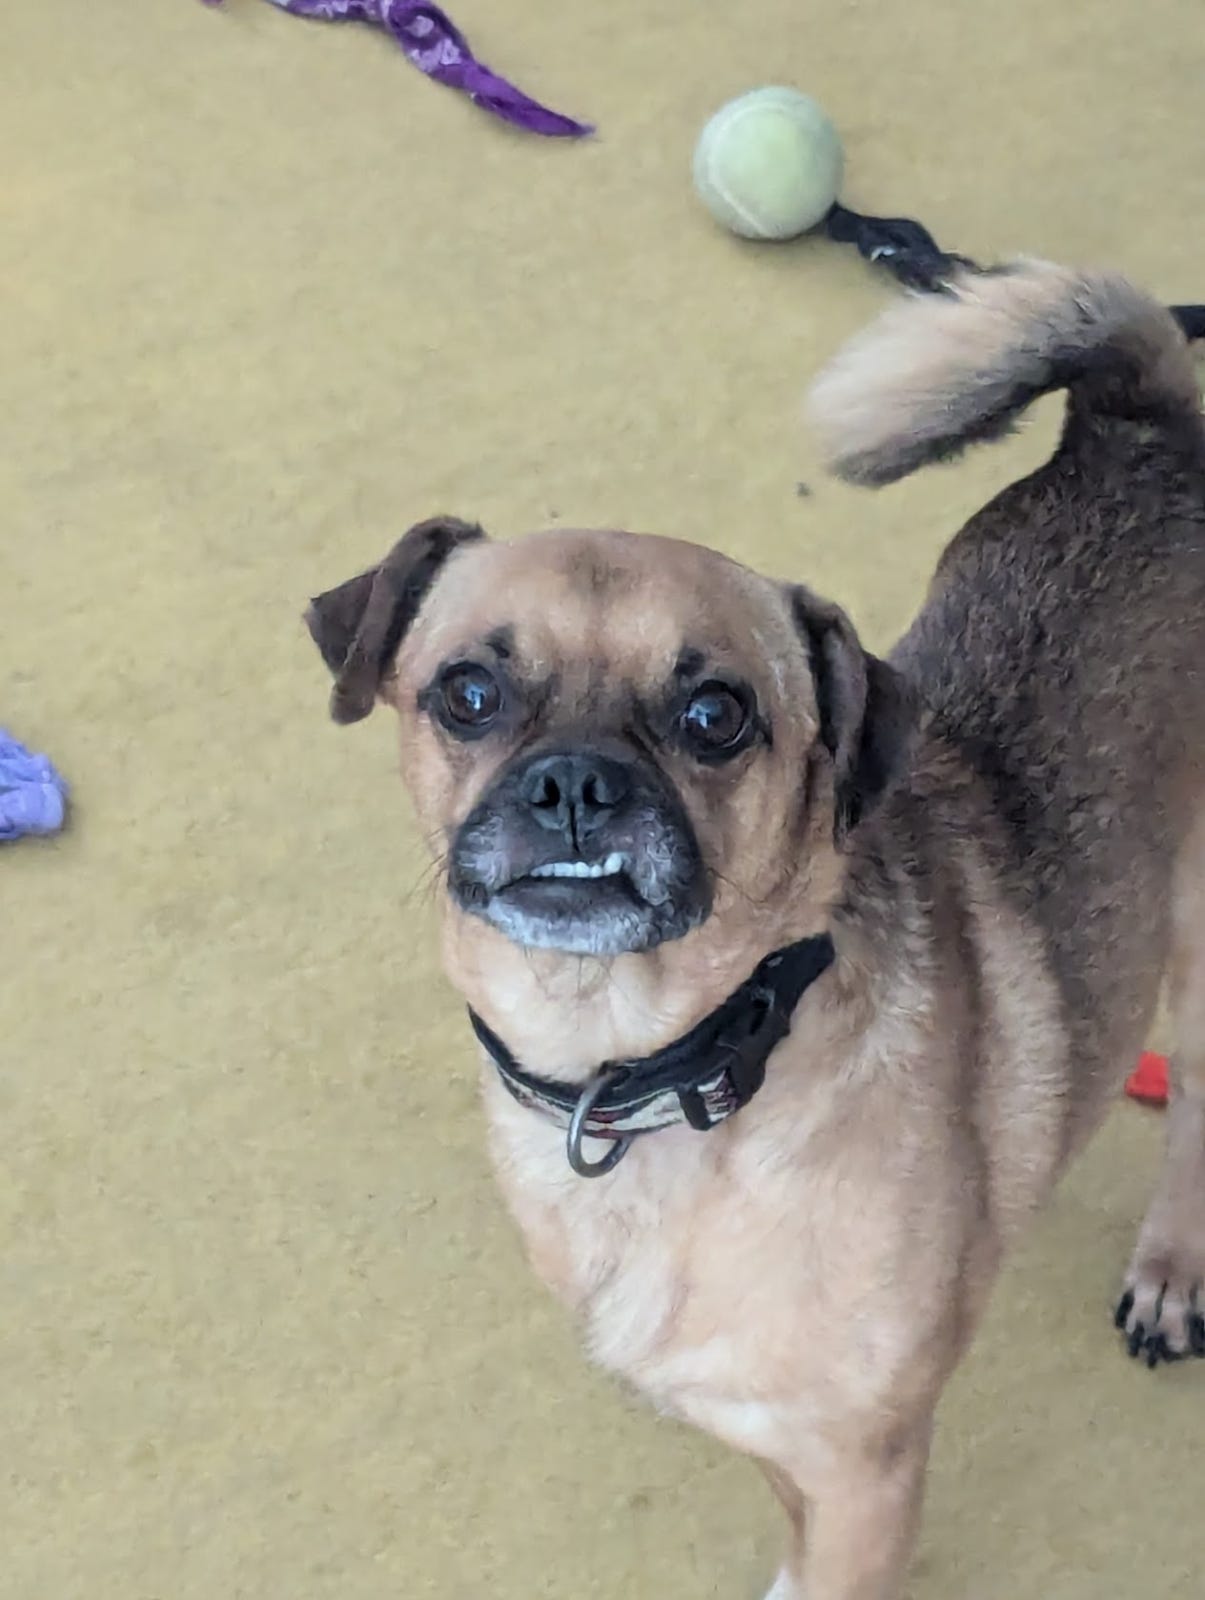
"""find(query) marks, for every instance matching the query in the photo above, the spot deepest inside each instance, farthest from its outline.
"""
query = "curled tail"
(939, 372)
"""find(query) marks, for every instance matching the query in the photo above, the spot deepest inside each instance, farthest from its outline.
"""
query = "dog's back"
(1062, 645)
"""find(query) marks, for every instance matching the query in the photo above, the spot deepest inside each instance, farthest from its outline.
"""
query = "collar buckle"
(741, 1064)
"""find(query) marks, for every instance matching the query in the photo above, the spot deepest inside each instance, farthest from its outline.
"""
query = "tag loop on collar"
(587, 1100)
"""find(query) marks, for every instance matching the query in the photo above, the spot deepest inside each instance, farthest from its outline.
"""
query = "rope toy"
(914, 258)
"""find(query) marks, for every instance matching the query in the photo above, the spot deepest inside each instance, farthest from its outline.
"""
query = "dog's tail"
(939, 372)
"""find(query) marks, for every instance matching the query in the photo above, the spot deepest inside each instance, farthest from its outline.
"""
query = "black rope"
(915, 259)
(1191, 320)
(907, 250)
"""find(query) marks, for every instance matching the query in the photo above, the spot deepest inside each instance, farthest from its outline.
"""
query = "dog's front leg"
(861, 1525)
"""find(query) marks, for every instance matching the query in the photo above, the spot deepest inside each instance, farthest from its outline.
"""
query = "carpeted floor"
(268, 295)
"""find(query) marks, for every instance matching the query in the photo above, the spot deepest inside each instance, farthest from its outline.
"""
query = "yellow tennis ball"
(768, 165)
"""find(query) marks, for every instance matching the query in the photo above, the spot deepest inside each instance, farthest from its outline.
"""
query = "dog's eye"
(715, 720)
(470, 698)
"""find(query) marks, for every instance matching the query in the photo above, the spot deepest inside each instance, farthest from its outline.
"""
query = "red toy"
(1148, 1082)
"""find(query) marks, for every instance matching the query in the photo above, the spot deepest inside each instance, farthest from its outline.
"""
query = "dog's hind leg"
(1162, 1311)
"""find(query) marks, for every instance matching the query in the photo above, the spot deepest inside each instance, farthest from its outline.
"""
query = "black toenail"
(1137, 1338)
(1196, 1334)
(1158, 1349)
(1124, 1306)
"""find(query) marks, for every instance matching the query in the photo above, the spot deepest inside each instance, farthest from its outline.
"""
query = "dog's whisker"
(428, 882)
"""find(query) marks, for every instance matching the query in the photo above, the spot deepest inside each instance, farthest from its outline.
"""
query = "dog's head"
(621, 739)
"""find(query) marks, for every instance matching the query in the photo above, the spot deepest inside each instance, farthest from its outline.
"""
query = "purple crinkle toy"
(435, 45)
(32, 795)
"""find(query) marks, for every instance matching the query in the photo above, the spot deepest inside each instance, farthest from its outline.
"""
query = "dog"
(800, 975)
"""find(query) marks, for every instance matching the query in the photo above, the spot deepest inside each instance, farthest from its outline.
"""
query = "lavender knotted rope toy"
(432, 42)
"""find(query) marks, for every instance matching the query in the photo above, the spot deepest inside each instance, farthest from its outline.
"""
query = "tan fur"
(801, 1280)
(936, 371)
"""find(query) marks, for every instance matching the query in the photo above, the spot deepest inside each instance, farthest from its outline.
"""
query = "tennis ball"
(768, 165)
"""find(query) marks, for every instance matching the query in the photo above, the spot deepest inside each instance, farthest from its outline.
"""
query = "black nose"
(574, 793)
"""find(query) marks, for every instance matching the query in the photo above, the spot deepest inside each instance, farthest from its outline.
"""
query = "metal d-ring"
(587, 1100)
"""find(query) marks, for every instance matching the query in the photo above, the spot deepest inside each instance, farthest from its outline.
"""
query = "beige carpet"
(268, 295)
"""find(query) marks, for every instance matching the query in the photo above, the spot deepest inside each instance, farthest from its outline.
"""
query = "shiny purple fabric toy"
(433, 43)
(32, 795)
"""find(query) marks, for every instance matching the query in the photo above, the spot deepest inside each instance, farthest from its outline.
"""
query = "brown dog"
(685, 812)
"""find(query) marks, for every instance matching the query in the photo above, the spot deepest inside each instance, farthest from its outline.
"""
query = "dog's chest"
(711, 1271)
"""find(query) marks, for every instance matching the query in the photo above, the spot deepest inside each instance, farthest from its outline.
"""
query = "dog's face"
(620, 739)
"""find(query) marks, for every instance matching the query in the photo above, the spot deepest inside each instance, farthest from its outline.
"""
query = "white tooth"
(580, 869)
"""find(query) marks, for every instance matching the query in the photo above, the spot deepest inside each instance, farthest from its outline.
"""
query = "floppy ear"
(867, 712)
(359, 625)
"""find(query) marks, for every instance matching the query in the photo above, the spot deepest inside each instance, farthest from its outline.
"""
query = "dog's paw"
(1162, 1311)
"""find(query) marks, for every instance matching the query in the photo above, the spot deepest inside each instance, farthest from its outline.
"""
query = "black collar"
(701, 1079)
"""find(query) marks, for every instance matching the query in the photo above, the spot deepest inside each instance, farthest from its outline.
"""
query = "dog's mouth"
(616, 903)
(572, 896)
(593, 871)
(576, 888)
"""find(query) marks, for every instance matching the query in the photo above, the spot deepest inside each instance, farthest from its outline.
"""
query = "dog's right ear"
(359, 626)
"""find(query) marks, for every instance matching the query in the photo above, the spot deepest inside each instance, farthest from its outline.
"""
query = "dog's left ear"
(359, 626)
(867, 714)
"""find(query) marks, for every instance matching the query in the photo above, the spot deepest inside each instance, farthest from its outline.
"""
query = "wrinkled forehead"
(631, 607)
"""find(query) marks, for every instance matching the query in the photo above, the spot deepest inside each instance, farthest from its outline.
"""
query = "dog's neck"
(562, 1015)
(701, 1079)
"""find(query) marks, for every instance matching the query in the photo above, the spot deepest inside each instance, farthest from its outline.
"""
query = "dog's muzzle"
(582, 849)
